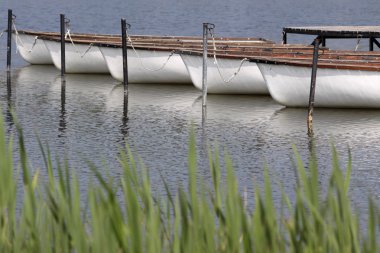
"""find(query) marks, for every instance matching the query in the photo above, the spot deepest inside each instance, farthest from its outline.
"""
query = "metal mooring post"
(284, 38)
(371, 44)
(9, 40)
(206, 27)
(204, 72)
(323, 41)
(125, 64)
(63, 51)
(316, 43)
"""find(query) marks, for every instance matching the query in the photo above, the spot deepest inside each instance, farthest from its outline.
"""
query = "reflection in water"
(62, 117)
(204, 120)
(204, 128)
(160, 116)
(8, 113)
(124, 126)
(253, 130)
(355, 129)
(311, 143)
(204, 116)
(9, 87)
(310, 131)
(235, 118)
(235, 125)
(241, 109)
(353, 123)
(125, 102)
(308, 128)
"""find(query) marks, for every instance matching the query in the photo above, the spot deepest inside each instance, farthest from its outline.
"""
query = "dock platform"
(337, 32)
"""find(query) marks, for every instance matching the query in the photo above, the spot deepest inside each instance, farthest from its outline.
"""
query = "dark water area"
(86, 124)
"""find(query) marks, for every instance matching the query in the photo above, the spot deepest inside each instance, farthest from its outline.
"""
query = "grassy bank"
(122, 214)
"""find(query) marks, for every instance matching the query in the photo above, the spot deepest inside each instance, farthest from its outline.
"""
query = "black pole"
(9, 40)
(125, 64)
(316, 43)
(284, 37)
(63, 51)
(323, 41)
(204, 66)
(371, 44)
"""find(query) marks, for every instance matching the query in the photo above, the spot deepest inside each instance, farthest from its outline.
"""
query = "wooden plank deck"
(337, 31)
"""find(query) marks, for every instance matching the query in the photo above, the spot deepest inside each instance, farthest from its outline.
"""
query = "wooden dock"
(337, 32)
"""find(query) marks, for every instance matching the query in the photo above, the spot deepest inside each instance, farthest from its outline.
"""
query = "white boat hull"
(248, 80)
(31, 49)
(79, 59)
(290, 86)
(147, 66)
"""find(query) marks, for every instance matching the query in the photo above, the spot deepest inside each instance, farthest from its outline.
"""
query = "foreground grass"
(122, 215)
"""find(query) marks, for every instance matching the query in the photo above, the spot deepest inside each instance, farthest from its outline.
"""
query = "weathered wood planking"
(337, 31)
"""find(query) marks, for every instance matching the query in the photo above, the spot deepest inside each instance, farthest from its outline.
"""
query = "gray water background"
(255, 130)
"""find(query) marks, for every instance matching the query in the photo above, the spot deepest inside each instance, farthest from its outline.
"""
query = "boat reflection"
(99, 99)
(34, 74)
(352, 126)
(238, 109)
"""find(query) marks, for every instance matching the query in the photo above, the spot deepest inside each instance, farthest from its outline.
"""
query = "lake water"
(86, 123)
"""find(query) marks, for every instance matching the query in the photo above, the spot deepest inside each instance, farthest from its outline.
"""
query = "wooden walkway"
(337, 32)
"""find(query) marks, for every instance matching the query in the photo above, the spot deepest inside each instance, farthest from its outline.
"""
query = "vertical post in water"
(63, 53)
(284, 38)
(316, 43)
(204, 73)
(371, 44)
(9, 40)
(125, 64)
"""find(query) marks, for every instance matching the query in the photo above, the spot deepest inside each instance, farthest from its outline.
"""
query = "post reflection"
(125, 104)
(9, 87)
(8, 113)
(62, 118)
(124, 126)
(204, 137)
(310, 131)
(204, 124)
(311, 144)
(204, 117)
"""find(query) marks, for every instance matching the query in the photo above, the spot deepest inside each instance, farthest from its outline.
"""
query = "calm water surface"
(85, 121)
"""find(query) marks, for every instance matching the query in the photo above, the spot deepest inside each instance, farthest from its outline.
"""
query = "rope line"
(228, 80)
(68, 35)
(141, 61)
(18, 40)
(34, 43)
(17, 36)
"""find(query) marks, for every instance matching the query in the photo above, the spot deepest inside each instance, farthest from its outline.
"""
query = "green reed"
(123, 215)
